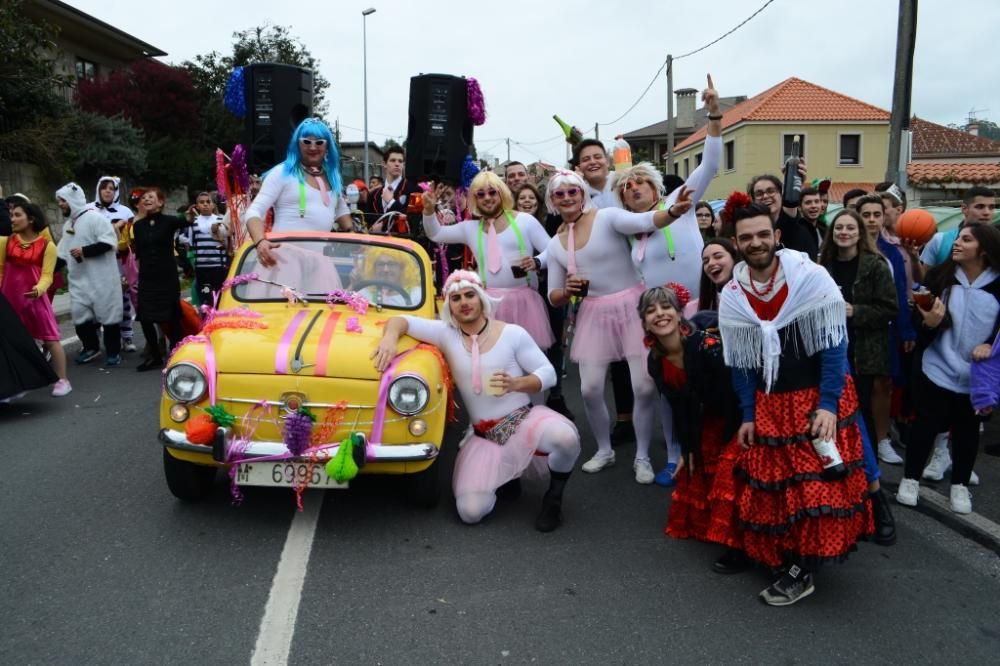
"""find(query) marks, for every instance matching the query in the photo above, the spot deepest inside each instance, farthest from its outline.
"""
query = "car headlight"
(408, 395)
(185, 382)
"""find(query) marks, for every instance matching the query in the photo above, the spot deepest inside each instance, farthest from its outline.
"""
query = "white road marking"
(274, 639)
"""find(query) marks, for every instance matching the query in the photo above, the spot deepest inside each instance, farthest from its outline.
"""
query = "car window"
(386, 276)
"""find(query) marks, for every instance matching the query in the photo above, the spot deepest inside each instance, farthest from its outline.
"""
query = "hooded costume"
(94, 282)
(115, 210)
(127, 269)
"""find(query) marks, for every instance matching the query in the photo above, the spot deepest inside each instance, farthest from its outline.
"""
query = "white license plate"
(286, 474)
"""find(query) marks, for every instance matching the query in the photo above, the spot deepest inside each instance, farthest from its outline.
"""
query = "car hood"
(310, 342)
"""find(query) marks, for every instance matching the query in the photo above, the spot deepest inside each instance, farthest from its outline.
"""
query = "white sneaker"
(909, 492)
(128, 346)
(643, 471)
(961, 499)
(887, 454)
(939, 464)
(599, 462)
(974, 479)
(61, 388)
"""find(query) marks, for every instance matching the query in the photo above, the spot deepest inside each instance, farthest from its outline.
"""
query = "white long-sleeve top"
(467, 232)
(604, 260)
(657, 268)
(514, 352)
(281, 192)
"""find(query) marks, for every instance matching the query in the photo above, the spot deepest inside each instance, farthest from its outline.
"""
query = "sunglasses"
(568, 192)
(482, 194)
(319, 143)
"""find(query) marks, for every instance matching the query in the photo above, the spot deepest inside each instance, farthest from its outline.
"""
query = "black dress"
(159, 286)
(22, 366)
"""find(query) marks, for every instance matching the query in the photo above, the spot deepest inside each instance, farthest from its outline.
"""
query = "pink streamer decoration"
(353, 326)
(378, 418)
(220, 171)
(211, 371)
(476, 102)
(281, 354)
(352, 299)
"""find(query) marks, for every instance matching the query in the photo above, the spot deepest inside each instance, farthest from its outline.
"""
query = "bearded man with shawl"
(784, 333)
(87, 246)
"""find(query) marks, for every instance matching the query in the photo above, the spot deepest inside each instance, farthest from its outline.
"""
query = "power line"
(714, 41)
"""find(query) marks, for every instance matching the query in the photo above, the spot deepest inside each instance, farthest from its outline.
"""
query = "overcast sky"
(590, 60)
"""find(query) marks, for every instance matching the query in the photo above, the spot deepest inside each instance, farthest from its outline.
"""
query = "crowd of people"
(784, 351)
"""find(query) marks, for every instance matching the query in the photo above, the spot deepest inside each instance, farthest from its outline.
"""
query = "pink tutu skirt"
(524, 306)
(483, 466)
(35, 313)
(608, 328)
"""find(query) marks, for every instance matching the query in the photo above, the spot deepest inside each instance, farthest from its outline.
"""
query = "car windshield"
(387, 276)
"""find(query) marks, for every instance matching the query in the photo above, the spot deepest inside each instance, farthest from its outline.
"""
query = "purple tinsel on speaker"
(469, 171)
(239, 167)
(234, 98)
(476, 103)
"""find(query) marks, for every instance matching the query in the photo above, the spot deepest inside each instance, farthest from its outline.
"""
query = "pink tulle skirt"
(483, 466)
(35, 313)
(608, 328)
(524, 306)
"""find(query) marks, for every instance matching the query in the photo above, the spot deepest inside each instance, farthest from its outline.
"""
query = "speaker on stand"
(439, 133)
(279, 97)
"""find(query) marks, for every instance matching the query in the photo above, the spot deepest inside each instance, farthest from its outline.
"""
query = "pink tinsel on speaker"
(476, 103)
(220, 171)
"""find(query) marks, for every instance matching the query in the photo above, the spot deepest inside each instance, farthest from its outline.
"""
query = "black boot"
(885, 524)
(733, 561)
(551, 514)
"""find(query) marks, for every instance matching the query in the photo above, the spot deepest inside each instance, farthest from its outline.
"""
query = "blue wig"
(313, 128)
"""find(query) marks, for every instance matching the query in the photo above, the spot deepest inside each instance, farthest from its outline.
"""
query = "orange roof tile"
(933, 139)
(838, 189)
(927, 173)
(795, 100)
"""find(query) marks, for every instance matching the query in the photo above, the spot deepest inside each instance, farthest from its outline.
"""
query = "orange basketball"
(916, 225)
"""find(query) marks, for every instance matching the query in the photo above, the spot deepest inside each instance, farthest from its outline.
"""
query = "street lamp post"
(364, 32)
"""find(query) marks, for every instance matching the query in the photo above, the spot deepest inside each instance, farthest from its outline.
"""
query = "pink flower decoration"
(353, 326)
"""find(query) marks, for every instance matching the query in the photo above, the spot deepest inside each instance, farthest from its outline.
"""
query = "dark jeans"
(864, 384)
(941, 410)
(173, 332)
(87, 332)
(212, 278)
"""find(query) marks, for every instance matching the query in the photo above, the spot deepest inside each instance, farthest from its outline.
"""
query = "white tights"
(556, 438)
(592, 377)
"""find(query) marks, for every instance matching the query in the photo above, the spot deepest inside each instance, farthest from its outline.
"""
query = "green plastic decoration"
(342, 467)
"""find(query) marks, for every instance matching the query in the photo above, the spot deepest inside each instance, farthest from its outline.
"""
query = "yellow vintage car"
(294, 340)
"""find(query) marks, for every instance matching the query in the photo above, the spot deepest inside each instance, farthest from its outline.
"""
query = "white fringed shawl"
(814, 306)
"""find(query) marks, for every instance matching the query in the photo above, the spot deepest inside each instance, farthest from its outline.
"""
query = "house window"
(687, 168)
(697, 159)
(849, 153)
(730, 155)
(677, 168)
(786, 145)
(85, 69)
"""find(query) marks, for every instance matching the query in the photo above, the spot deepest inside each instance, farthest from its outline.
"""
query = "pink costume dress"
(27, 266)
(608, 327)
(520, 301)
(482, 465)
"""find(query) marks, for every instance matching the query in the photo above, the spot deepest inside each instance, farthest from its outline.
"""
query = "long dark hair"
(942, 275)
(539, 201)
(708, 293)
(865, 244)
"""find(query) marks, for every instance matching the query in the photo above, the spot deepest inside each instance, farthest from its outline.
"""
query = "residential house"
(842, 138)
(352, 160)
(946, 161)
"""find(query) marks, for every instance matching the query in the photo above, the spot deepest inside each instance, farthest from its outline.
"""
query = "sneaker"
(111, 361)
(909, 492)
(61, 388)
(939, 464)
(792, 587)
(599, 462)
(887, 454)
(961, 499)
(665, 477)
(643, 471)
(86, 356)
(128, 346)
(974, 479)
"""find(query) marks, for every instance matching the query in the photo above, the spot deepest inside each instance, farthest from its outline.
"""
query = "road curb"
(973, 526)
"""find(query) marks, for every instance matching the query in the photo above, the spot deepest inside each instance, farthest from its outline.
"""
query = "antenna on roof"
(973, 112)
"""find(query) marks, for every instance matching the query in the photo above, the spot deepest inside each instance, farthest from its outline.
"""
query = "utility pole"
(902, 91)
(508, 149)
(670, 114)
(597, 131)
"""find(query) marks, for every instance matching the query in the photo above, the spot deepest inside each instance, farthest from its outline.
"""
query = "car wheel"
(424, 488)
(187, 481)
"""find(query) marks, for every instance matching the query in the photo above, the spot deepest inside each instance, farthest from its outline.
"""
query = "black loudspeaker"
(439, 133)
(279, 97)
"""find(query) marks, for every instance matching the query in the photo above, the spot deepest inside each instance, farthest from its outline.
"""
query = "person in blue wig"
(304, 190)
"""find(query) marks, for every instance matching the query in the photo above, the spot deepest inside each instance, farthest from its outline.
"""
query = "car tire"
(423, 489)
(187, 481)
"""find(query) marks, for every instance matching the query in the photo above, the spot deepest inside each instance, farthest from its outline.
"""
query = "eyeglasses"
(769, 192)
(482, 194)
(319, 143)
(568, 192)
(386, 264)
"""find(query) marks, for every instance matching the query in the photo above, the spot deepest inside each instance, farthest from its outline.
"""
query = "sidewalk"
(60, 304)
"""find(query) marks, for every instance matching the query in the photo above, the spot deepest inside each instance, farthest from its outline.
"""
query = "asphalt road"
(101, 565)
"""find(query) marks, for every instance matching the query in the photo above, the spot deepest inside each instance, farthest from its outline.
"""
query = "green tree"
(989, 130)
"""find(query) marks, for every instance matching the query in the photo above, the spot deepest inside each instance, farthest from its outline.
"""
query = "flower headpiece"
(735, 201)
